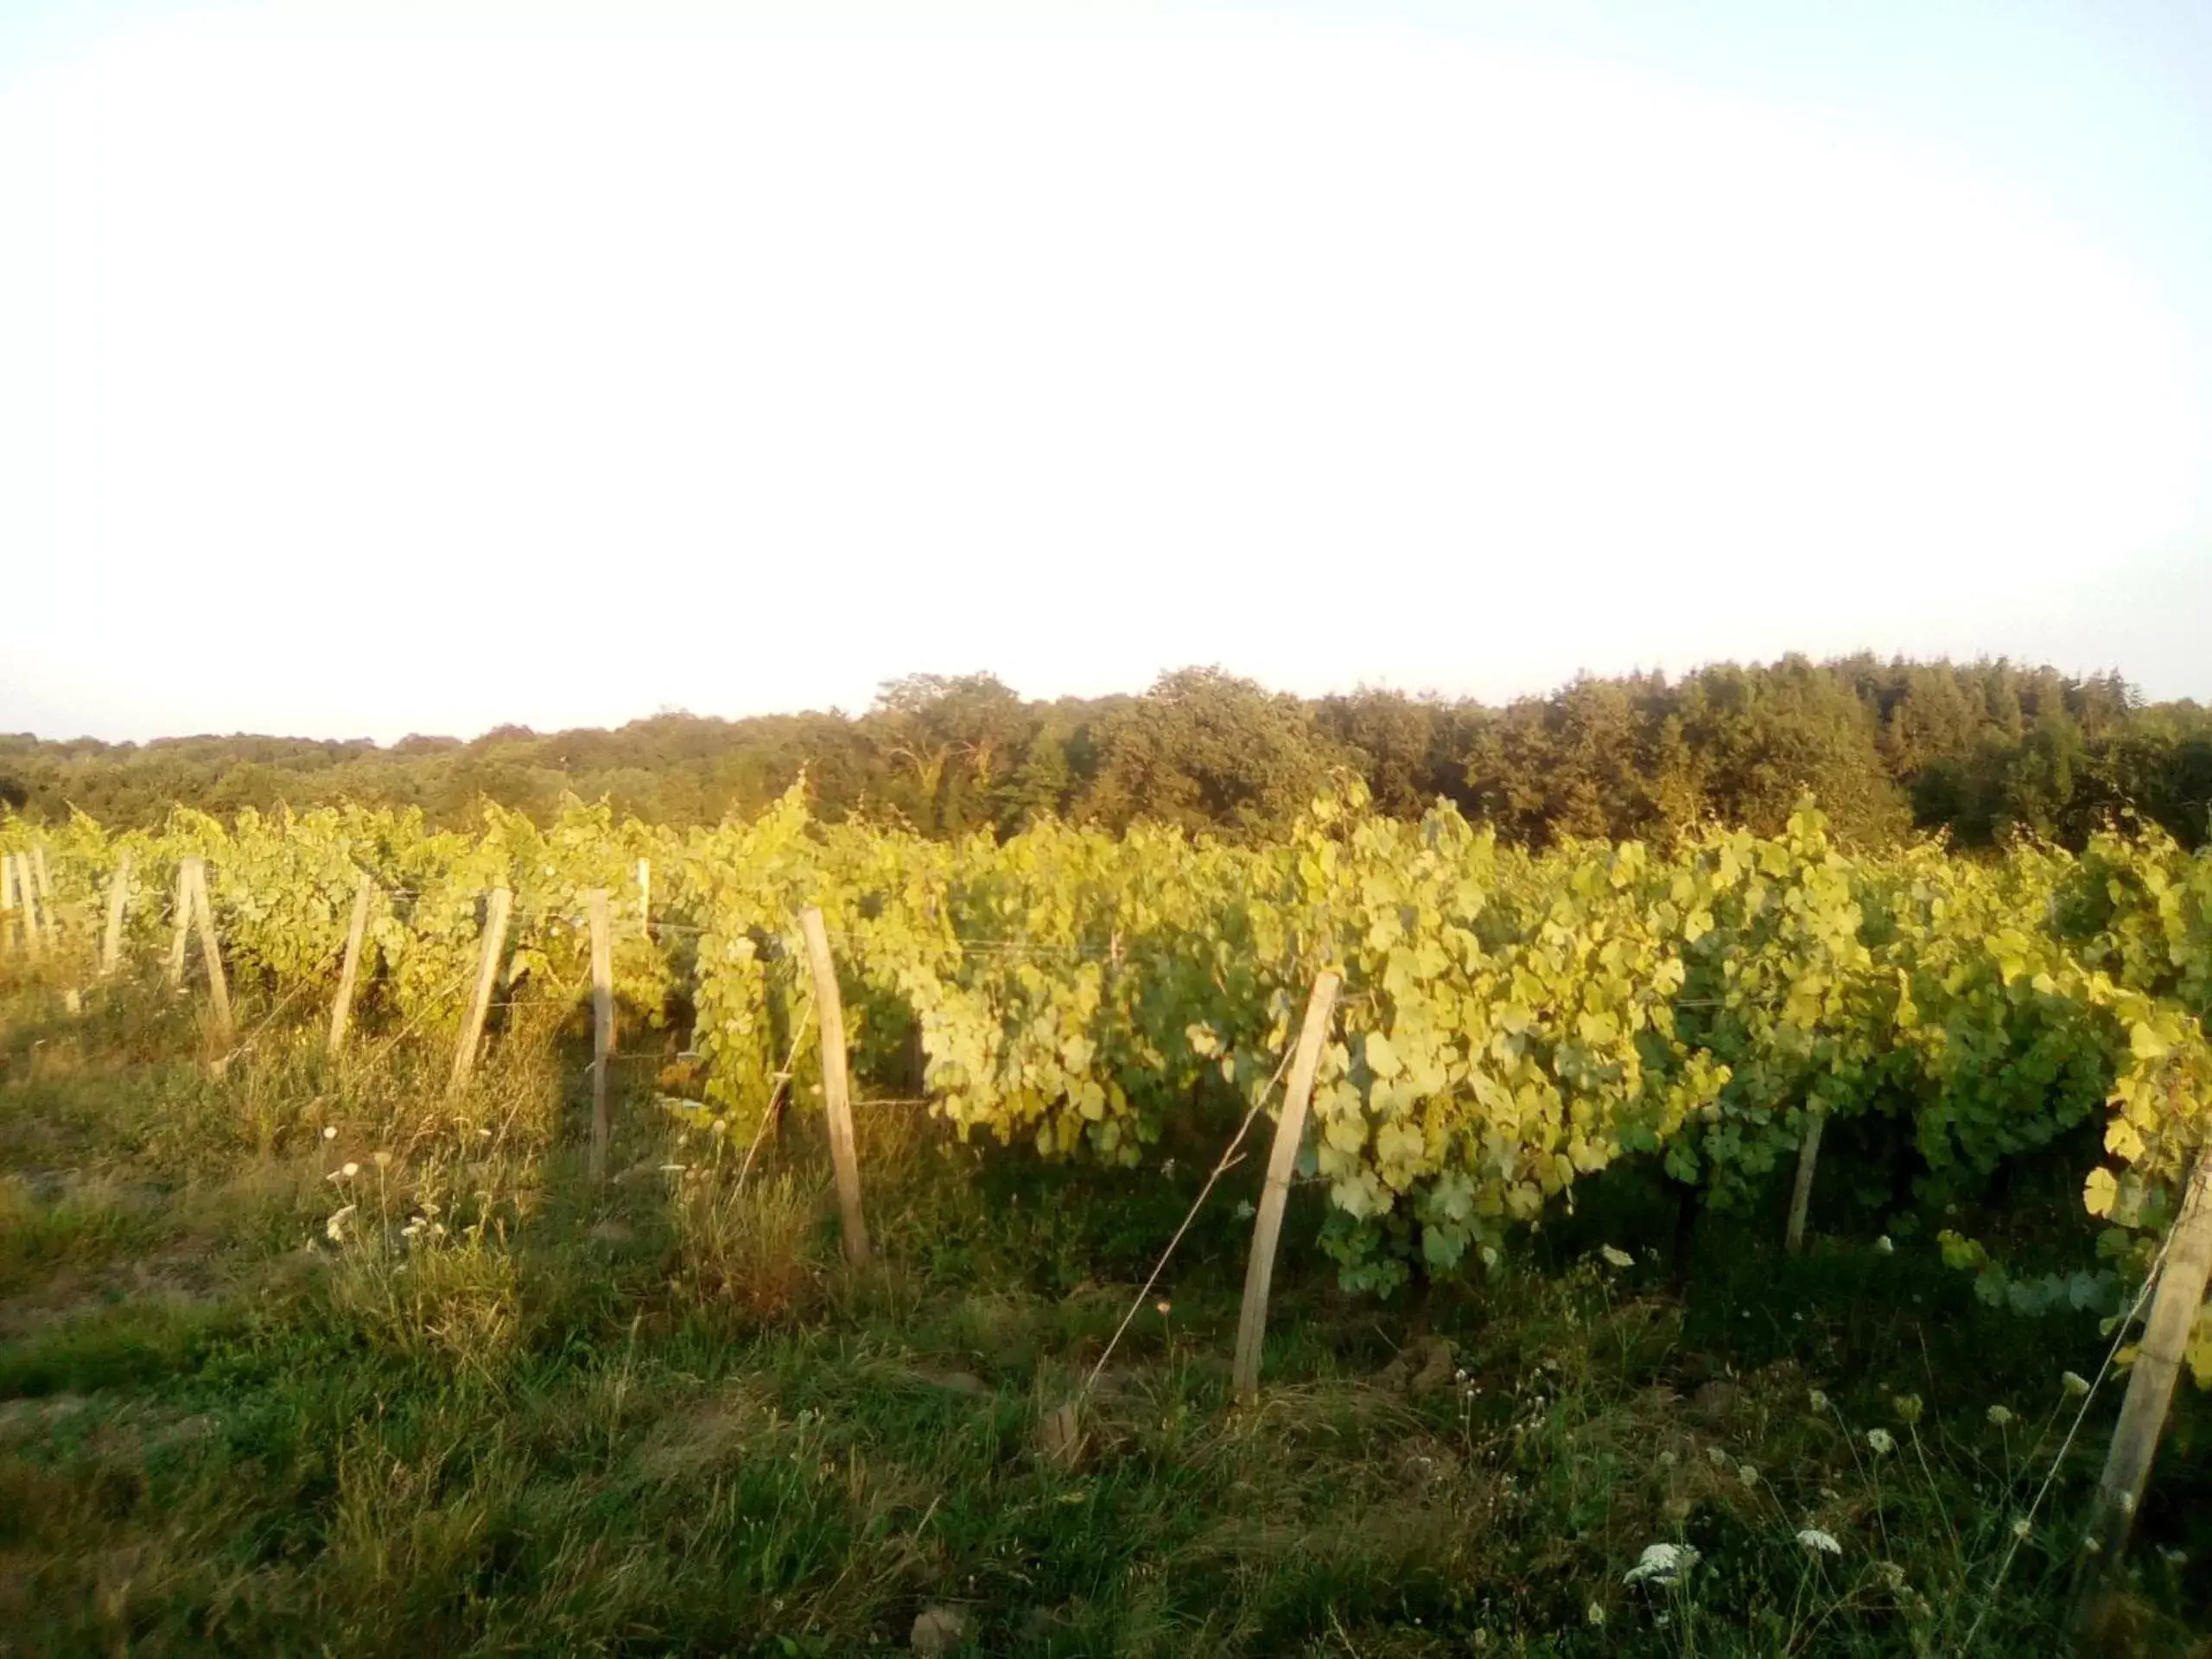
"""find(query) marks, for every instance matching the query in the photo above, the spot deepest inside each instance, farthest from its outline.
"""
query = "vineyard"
(1511, 1026)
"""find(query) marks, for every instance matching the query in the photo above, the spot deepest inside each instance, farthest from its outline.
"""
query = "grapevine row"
(1509, 1021)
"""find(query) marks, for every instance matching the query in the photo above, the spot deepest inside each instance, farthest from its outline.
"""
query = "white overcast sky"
(367, 369)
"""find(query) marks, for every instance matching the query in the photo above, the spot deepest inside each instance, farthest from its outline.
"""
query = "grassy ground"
(457, 1400)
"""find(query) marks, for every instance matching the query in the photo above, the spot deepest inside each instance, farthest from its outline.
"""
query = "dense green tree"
(1979, 750)
(1207, 750)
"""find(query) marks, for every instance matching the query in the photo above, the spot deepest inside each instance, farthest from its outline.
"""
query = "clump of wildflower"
(1718, 1456)
(1163, 1307)
(1822, 1542)
(2021, 1527)
(1880, 1439)
(1998, 1416)
(1618, 1258)
(1661, 1564)
(1908, 1407)
(1748, 1474)
(2074, 1383)
(1595, 1614)
(330, 1131)
(1883, 1247)
(1818, 1401)
(335, 1229)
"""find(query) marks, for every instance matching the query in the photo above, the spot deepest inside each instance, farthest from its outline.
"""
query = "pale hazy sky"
(369, 368)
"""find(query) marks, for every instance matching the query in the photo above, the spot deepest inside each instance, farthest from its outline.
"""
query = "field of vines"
(1511, 1024)
(1510, 1021)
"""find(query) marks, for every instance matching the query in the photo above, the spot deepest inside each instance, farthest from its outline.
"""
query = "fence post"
(46, 893)
(602, 1022)
(2150, 1392)
(646, 897)
(836, 1087)
(182, 905)
(27, 896)
(1282, 1158)
(203, 917)
(7, 899)
(342, 1010)
(119, 896)
(1800, 1200)
(488, 974)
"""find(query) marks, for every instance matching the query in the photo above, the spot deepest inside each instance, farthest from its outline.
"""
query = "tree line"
(1982, 751)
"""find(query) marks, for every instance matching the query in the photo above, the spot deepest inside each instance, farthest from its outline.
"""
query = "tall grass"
(301, 1356)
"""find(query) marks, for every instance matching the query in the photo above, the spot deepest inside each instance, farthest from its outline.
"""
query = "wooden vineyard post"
(182, 905)
(342, 1010)
(119, 897)
(487, 975)
(646, 897)
(1809, 1156)
(2174, 1308)
(203, 917)
(7, 898)
(836, 1087)
(1282, 1158)
(602, 1022)
(27, 901)
(46, 893)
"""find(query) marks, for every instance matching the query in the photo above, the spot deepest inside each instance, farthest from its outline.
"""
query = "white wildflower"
(1817, 1401)
(1661, 1564)
(1748, 1474)
(335, 1229)
(1883, 1247)
(330, 1132)
(1718, 1456)
(1595, 1614)
(1825, 1542)
(2074, 1383)
(1618, 1258)
(1998, 1416)
(2021, 1527)
(1880, 1440)
(349, 1171)
(383, 1160)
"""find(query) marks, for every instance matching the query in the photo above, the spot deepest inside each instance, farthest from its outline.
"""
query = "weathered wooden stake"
(1809, 1156)
(7, 899)
(646, 897)
(1282, 1160)
(342, 1010)
(602, 1022)
(182, 905)
(27, 896)
(203, 917)
(119, 897)
(836, 1087)
(45, 884)
(488, 974)
(2174, 1308)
